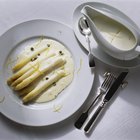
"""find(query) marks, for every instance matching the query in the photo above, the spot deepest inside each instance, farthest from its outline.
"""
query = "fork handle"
(79, 123)
(94, 117)
(94, 101)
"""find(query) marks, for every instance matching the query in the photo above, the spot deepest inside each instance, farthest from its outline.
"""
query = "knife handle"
(94, 117)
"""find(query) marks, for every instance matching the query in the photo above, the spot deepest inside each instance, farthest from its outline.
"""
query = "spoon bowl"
(83, 26)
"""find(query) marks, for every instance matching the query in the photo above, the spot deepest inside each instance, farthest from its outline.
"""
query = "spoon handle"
(88, 42)
(90, 55)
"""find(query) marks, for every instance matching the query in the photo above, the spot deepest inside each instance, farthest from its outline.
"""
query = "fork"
(103, 89)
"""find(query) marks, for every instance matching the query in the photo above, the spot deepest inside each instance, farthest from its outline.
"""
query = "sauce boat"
(114, 35)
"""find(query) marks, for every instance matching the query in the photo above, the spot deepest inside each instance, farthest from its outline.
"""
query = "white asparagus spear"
(27, 67)
(24, 76)
(29, 88)
(27, 74)
(26, 90)
(37, 90)
(25, 60)
(38, 73)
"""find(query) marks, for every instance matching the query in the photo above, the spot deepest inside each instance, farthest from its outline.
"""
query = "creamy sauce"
(57, 108)
(115, 33)
(53, 91)
(58, 50)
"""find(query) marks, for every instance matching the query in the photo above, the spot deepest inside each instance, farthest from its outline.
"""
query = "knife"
(106, 99)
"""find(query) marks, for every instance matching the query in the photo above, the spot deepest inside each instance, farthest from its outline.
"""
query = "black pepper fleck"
(39, 54)
(32, 49)
(61, 53)
(47, 78)
(48, 45)
(54, 84)
(33, 59)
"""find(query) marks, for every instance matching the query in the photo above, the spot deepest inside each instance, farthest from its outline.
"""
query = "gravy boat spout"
(116, 37)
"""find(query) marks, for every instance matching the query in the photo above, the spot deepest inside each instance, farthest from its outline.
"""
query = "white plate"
(69, 100)
(98, 53)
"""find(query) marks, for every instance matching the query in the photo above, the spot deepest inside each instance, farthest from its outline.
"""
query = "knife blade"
(106, 99)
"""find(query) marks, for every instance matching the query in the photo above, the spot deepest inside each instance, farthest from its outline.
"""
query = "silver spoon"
(85, 30)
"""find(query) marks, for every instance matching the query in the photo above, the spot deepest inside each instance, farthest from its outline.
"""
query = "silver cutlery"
(106, 99)
(85, 30)
(103, 89)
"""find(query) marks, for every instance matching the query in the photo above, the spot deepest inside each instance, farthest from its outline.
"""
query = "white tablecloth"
(121, 120)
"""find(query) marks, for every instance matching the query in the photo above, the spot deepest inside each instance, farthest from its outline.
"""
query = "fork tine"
(107, 82)
(110, 79)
